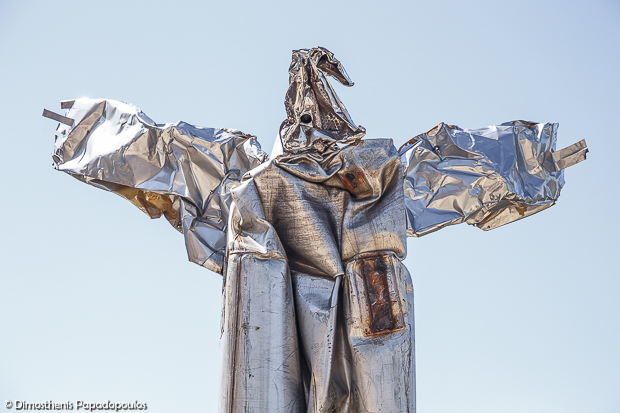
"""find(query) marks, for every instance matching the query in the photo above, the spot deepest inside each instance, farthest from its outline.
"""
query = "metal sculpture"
(318, 313)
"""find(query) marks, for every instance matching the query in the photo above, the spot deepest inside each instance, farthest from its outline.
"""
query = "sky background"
(100, 303)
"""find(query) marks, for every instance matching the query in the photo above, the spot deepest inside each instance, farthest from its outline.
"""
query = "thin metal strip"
(571, 160)
(67, 104)
(57, 117)
(570, 150)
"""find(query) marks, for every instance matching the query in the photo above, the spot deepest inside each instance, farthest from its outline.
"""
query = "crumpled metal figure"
(318, 307)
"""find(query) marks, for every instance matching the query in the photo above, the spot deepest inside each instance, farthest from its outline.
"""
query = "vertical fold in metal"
(260, 353)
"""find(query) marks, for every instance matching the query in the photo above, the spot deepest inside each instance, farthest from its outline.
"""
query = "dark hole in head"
(306, 118)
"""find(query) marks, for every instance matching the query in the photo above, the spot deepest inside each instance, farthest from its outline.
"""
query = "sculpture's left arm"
(486, 177)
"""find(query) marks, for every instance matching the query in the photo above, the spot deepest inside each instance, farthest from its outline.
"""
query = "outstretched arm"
(181, 171)
(486, 177)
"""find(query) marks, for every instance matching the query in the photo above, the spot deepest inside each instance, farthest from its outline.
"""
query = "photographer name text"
(77, 405)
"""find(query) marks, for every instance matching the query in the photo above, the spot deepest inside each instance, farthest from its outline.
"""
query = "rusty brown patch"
(355, 182)
(375, 273)
(350, 181)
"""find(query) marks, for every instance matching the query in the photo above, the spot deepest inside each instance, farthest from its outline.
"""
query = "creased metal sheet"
(486, 177)
(316, 116)
(316, 241)
(181, 171)
(318, 307)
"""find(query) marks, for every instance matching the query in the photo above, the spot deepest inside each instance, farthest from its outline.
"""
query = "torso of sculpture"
(318, 307)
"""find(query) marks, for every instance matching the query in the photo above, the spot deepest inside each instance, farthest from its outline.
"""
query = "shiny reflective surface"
(486, 177)
(316, 116)
(177, 170)
(321, 240)
(317, 307)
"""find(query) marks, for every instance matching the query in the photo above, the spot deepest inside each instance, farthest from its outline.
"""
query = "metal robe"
(317, 311)
(324, 254)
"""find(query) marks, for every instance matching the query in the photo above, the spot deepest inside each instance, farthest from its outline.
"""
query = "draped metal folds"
(318, 307)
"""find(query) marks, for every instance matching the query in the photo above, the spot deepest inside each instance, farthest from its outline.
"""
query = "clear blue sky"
(98, 302)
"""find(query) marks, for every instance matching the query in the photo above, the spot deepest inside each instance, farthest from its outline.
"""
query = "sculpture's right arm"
(181, 171)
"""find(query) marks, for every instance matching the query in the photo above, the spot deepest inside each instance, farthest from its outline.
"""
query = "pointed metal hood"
(316, 118)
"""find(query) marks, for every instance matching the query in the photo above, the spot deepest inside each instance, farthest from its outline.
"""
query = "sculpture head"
(315, 115)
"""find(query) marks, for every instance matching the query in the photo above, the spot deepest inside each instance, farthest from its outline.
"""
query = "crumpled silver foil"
(317, 307)
(486, 177)
(316, 116)
(180, 171)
